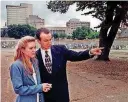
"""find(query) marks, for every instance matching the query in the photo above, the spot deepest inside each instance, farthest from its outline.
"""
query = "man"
(52, 65)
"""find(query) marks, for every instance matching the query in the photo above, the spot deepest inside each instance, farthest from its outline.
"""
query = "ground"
(89, 81)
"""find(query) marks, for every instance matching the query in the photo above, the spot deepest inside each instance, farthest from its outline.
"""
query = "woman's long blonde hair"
(22, 43)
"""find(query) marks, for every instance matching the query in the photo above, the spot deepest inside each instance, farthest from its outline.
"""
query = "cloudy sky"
(51, 18)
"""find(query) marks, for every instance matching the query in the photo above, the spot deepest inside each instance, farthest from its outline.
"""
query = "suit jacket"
(58, 78)
(24, 84)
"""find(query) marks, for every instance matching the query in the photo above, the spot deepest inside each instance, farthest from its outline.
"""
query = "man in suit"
(52, 65)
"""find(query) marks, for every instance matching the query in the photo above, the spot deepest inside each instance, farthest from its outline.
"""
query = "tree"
(93, 34)
(12, 31)
(111, 13)
(18, 31)
(3, 32)
(62, 35)
(81, 33)
(56, 36)
(75, 33)
(69, 37)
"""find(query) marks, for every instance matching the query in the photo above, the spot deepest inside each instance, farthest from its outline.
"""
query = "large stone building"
(35, 21)
(23, 14)
(72, 24)
(18, 14)
(58, 30)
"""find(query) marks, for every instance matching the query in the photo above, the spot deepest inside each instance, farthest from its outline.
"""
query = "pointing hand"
(96, 51)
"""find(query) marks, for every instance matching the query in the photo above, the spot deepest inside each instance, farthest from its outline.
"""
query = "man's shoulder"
(58, 46)
(38, 50)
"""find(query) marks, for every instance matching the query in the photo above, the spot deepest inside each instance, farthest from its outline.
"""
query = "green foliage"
(69, 37)
(82, 33)
(93, 34)
(56, 36)
(62, 35)
(3, 32)
(18, 31)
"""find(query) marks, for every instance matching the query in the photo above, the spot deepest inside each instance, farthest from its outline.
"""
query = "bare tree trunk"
(111, 36)
(104, 30)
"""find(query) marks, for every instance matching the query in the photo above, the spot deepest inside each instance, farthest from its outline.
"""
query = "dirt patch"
(89, 81)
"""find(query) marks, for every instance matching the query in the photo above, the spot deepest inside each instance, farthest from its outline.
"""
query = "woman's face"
(30, 50)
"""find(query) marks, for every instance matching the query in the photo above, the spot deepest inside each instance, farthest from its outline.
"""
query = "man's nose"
(49, 42)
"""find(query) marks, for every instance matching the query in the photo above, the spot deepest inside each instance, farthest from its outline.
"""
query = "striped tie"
(48, 63)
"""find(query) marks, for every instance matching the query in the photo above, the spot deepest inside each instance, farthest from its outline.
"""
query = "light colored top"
(35, 79)
(43, 54)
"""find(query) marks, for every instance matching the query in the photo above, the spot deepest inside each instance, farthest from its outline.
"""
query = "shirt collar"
(42, 50)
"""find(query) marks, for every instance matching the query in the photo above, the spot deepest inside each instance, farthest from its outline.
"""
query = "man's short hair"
(39, 31)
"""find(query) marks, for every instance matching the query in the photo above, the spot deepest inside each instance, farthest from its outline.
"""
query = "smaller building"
(35, 21)
(73, 23)
(58, 30)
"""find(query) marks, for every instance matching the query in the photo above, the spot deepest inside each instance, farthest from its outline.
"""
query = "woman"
(25, 74)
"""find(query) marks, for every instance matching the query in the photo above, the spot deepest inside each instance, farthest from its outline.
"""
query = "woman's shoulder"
(35, 61)
(17, 64)
(16, 67)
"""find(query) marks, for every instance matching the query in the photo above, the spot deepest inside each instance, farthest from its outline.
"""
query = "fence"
(117, 45)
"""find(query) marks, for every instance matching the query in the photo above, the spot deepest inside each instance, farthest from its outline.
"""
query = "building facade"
(35, 21)
(18, 14)
(72, 24)
(58, 30)
(23, 14)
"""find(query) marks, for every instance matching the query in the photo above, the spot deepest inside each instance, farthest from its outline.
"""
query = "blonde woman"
(25, 74)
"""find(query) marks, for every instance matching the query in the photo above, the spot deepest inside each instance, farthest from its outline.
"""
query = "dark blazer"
(58, 78)
(24, 84)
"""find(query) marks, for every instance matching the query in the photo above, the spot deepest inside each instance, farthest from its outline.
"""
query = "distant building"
(72, 24)
(18, 14)
(35, 21)
(23, 14)
(58, 30)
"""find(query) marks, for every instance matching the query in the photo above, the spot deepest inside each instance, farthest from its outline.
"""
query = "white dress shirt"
(43, 54)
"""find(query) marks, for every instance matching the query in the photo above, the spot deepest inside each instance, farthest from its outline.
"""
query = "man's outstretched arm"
(82, 55)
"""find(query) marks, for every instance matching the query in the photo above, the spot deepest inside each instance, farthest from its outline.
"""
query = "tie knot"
(46, 53)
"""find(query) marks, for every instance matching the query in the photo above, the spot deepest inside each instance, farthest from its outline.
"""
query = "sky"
(51, 18)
